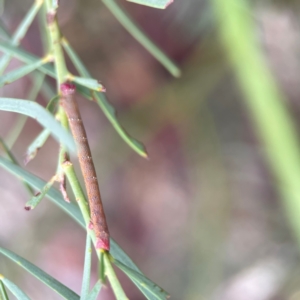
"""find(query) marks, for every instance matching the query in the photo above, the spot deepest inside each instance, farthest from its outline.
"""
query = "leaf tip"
(28, 207)
(101, 87)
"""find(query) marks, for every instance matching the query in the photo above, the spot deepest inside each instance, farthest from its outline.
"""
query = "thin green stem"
(20, 32)
(44, 33)
(265, 102)
(54, 32)
(113, 279)
(3, 293)
(78, 193)
(141, 37)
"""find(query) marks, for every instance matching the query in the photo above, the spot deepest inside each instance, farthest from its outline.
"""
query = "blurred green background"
(209, 215)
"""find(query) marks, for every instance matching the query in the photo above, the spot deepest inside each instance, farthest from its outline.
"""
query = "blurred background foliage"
(203, 216)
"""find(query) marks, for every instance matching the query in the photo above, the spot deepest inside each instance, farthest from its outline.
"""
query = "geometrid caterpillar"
(87, 166)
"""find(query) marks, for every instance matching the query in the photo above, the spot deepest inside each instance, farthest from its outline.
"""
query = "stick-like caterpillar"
(87, 166)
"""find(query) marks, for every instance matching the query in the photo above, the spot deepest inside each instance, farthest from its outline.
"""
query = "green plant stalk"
(3, 293)
(113, 279)
(20, 32)
(44, 33)
(83, 205)
(141, 37)
(54, 32)
(265, 102)
(63, 154)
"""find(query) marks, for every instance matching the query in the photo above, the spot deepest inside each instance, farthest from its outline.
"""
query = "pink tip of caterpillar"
(103, 244)
(67, 88)
(27, 208)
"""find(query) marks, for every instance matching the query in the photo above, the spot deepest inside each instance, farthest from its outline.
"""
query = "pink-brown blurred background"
(201, 217)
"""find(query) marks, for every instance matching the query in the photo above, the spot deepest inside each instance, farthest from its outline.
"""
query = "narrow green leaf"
(22, 71)
(20, 32)
(106, 107)
(39, 113)
(95, 291)
(146, 286)
(34, 201)
(34, 147)
(114, 281)
(52, 104)
(85, 288)
(16, 291)
(266, 104)
(75, 59)
(70, 208)
(41, 139)
(141, 37)
(161, 4)
(90, 83)
(15, 132)
(3, 32)
(3, 293)
(58, 287)
(110, 114)
(37, 183)
(101, 267)
(13, 159)
(26, 57)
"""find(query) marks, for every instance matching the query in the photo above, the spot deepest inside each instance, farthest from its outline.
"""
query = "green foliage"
(162, 4)
(40, 275)
(265, 103)
(36, 111)
(16, 291)
(90, 88)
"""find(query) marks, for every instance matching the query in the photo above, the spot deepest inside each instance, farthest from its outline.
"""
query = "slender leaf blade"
(13, 159)
(16, 291)
(41, 139)
(151, 290)
(36, 144)
(21, 31)
(22, 71)
(141, 37)
(95, 291)
(61, 289)
(37, 183)
(70, 208)
(3, 293)
(35, 200)
(90, 83)
(161, 4)
(109, 111)
(26, 57)
(39, 113)
(85, 288)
